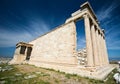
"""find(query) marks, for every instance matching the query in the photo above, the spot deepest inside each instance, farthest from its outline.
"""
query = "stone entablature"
(95, 38)
(23, 44)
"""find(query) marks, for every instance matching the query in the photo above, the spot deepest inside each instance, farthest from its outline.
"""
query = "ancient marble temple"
(57, 49)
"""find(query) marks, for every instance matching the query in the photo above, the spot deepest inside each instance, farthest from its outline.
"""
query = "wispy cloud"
(21, 32)
(81, 42)
(110, 23)
(106, 11)
(112, 37)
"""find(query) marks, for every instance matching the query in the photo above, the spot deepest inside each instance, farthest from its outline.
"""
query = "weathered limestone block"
(16, 56)
(57, 46)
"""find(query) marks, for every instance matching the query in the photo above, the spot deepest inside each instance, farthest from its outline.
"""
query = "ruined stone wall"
(82, 56)
(17, 58)
(57, 46)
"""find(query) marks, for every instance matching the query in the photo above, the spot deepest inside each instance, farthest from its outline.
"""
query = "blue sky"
(25, 20)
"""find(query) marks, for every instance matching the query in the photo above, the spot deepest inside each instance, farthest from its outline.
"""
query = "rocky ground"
(28, 74)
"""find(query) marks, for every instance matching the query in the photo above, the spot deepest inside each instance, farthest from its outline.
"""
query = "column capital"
(93, 25)
(101, 33)
(86, 15)
(103, 30)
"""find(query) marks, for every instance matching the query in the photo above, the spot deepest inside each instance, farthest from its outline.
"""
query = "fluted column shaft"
(102, 49)
(100, 54)
(98, 49)
(106, 54)
(95, 46)
(88, 41)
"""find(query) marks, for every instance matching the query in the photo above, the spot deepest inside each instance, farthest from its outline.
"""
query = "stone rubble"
(2, 82)
(6, 68)
(38, 72)
(30, 76)
(18, 74)
(82, 56)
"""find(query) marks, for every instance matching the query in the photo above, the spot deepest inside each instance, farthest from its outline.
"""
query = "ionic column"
(98, 49)
(102, 49)
(105, 49)
(100, 54)
(94, 44)
(88, 41)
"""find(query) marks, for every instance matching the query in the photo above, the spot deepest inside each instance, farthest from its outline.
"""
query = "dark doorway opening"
(29, 50)
(22, 50)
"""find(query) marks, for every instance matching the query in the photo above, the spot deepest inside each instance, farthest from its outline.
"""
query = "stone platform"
(99, 73)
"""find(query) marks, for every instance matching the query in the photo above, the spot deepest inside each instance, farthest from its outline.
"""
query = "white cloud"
(106, 11)
(34, 29)
(81, 43)
(107, 19)
(112, 38)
